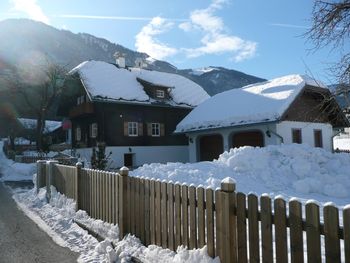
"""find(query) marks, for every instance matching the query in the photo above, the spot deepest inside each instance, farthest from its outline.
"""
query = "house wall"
(110, 118)
(227, 133)
(284, 128)
(142, 154)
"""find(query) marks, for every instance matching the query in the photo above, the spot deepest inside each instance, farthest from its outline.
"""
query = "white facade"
(273, 133)
(227, 133)
(284, 128)
(141, 154)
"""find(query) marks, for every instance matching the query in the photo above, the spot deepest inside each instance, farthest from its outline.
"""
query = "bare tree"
(331, 27)
(41, 92)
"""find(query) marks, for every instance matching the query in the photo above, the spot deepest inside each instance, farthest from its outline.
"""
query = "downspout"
(274, 133)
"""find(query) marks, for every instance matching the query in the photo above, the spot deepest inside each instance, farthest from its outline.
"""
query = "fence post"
(40, 174)
(78, 167)
(49, 176)
(229, 221)
(123, 201)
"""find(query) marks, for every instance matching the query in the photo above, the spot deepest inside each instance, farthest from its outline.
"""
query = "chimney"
(119, 59)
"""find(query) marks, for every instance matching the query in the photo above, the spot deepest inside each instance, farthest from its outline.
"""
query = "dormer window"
(160, 94)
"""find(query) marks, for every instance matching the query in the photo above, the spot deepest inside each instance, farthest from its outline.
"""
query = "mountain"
(24, 40)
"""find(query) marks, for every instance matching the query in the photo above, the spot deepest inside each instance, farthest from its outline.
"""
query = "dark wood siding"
(211, 146)
(248, 138)
(111, 119)
(315, 105)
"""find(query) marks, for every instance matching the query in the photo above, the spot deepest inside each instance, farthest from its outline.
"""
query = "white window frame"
(133, 129)
(78, 134)
(93, 130)
(160, 93)
(81, 99)
(155, 129)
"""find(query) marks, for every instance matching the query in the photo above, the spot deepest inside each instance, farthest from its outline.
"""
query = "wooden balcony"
(84, 108)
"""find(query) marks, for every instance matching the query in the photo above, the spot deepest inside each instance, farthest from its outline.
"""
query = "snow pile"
(234, 107)
(106, 81)
(131, 245)
(12, 171)
(290, 170)
(57, 219)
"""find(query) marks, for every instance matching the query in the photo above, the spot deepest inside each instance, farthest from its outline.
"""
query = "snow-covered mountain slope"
(67, 48)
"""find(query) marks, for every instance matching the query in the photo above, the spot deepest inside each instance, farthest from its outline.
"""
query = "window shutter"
(125, 128)
(162, 129)
(149, 129)
(140, 130)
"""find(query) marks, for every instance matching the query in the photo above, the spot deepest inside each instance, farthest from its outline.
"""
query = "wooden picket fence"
(233, 226)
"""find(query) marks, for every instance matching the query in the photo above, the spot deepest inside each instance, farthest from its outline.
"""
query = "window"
(78, 134)
(155, 129)
(296, 135)
(132, 128)
(318, 138)
(80, 100)
(93, 130)
(160, 93)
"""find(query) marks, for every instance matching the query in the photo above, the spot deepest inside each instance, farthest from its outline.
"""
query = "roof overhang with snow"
(259, 103)
(30, 124)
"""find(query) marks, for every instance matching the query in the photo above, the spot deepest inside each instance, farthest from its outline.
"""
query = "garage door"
(211, 147)
(250, 138)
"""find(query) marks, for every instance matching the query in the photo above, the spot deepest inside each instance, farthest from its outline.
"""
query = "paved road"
(22, 241)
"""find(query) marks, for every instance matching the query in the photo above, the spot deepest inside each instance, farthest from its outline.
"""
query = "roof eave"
(225, 127)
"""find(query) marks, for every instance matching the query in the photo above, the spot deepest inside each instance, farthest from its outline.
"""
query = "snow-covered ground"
(58, 217)
(288, 170)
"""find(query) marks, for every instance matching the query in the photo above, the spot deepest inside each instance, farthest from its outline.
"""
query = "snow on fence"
(34, 159)
(234, 226)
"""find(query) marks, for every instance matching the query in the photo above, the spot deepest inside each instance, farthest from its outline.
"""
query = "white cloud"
(126, 18)
(30, 8)
(146, 41)
(186, 26)
(215, 40)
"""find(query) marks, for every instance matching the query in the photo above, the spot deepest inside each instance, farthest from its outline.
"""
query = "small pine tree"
(99, 160)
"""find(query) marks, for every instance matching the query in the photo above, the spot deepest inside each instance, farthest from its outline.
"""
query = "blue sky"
(262, 38)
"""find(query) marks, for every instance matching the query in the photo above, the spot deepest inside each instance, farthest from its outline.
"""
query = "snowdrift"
(289, 170)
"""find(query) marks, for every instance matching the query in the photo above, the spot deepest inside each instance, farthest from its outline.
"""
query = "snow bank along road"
(21, 240)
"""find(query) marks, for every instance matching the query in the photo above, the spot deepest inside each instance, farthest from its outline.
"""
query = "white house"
(290, 109)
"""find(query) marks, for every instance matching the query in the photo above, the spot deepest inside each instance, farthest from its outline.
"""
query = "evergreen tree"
(99, 160)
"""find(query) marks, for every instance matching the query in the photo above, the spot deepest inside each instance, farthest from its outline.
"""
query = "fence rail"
(34, 159)
(234, 226)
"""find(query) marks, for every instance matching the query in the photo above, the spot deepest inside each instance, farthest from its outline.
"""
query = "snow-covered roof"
(256, 103)
(106, 81)
(50, 126)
